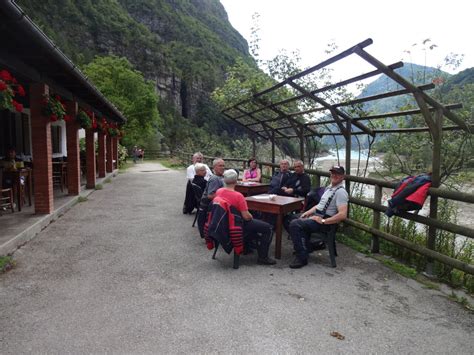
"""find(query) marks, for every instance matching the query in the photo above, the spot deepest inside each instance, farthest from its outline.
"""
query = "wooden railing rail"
(377, 208)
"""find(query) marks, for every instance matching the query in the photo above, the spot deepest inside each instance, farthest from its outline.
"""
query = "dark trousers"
(260, 232)
(300, 233)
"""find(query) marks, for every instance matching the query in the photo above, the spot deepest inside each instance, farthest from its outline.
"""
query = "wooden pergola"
(289, 108)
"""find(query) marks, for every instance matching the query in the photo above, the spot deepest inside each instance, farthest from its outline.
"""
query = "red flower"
(57, 97)
(18, 106)
(54, 117)
(20, 91)
(3, 86)
(67, 118)
(5, 75)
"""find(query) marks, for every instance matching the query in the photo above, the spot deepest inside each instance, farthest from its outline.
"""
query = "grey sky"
(308, 25)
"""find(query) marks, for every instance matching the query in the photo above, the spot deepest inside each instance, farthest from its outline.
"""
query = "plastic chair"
(236, 256)
(329, 238)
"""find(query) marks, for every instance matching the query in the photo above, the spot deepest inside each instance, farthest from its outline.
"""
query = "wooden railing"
(377, 208)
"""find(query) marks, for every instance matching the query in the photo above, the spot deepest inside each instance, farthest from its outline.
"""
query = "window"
(14, 132)
(56, 139)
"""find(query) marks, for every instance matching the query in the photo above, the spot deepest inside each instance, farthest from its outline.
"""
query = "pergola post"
(301, 137)
(115, 151)
(73, 152)
(41, 150)
(348, 137)
(437, 135)
(254, 147)
(109, 162)
(90, 158)
(101, 153)
(273, 151)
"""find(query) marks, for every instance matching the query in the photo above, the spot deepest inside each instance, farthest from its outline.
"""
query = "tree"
(134, 96)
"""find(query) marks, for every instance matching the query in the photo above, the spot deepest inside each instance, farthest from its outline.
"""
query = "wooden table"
(251, 188)
(15, 177)
(280, 206)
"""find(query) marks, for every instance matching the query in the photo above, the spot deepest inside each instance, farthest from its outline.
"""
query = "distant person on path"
(280, 178)
(135, 154)
(191, 172)
(254, 229)
(253, 173)
(215, 183)
(299, 183)
(331, 209)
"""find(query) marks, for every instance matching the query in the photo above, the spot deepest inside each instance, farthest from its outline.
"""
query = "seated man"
(298, 184)
(191, 171)
(280, 178)
(11, 163)
(332, 209)
(254, 229)
(215, 183)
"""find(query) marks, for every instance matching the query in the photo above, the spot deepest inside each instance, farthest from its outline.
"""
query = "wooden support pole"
(254, 147)
(273, 152)
(437, 135)
(348, 138)
(301, 136)
(375, 247)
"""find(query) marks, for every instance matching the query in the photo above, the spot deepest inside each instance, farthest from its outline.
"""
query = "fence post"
(376, 219)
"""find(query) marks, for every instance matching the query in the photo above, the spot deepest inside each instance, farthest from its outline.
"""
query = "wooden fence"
(377, 208)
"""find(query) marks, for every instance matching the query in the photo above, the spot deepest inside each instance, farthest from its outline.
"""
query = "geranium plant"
(54, 108)
(84, 119)
(9, 88)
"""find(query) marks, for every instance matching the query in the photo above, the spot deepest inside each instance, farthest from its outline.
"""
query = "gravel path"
(124, 272)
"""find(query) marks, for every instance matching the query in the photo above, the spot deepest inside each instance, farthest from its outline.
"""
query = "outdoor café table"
(251, 188)
(280, 206)
(15, 177)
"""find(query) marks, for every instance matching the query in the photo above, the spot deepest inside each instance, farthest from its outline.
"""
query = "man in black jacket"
(299, 183)
(280, 178)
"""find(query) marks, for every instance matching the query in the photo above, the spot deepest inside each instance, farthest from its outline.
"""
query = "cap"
(338, 169)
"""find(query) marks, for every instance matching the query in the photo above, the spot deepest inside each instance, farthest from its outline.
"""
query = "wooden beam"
(402, 81)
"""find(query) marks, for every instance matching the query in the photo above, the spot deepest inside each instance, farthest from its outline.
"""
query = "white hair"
(217, 161)
(199, 167)
(230, 176)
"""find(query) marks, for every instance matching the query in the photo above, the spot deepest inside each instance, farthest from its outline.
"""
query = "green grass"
(99, 187)
(6, 263)
(107, 181)
(81, 199)
(123, 168)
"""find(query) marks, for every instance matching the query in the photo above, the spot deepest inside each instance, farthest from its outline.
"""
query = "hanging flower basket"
(9, 88)
(54, 108)
(84, 119)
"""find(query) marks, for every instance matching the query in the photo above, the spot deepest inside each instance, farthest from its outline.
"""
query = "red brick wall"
(90, 158)
(101, 154)
(41, 151)
(115, 151)
(109, 155)
(73, 158)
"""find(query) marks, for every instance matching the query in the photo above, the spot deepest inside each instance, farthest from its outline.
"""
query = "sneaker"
(298, 263)
(266, 261)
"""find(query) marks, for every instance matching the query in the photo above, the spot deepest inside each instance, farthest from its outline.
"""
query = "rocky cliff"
(183, 45)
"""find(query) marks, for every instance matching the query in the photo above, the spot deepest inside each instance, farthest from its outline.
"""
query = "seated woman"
(199, 178)
(253, 173)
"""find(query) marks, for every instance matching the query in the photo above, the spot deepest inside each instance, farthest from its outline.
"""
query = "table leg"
(278, 231)
(18, 193)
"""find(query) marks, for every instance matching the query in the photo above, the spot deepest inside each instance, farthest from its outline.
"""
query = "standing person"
(253, 173)
(331, 209)
(299, 183)
(135, 153)
(280, 178)
(215, 183)
(254, 229)
(190, 171)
